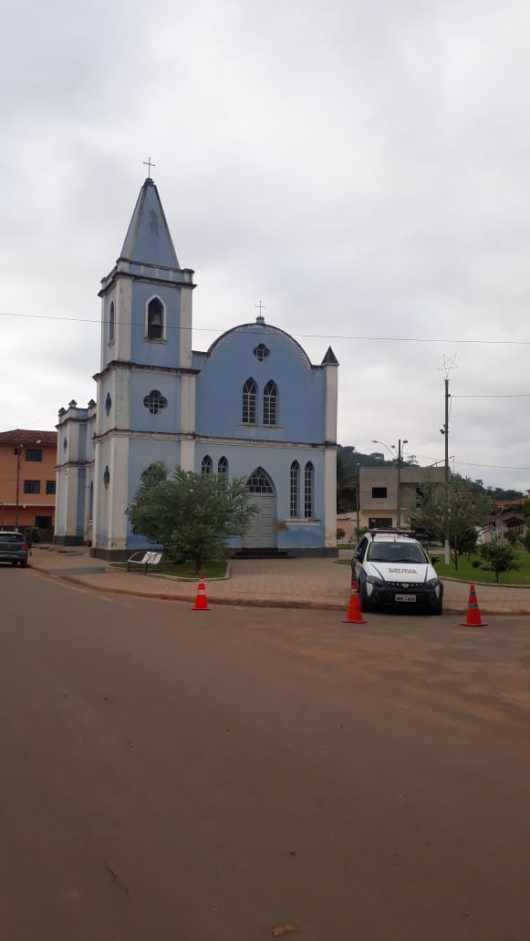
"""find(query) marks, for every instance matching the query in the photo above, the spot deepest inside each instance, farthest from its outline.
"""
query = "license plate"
(408, 598)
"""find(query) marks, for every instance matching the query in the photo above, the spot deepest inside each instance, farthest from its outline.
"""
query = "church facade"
(252, 405)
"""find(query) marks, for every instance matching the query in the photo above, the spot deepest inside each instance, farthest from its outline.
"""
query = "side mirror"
(435, 559)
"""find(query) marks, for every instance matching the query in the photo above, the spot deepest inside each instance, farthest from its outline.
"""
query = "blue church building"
(252, 405)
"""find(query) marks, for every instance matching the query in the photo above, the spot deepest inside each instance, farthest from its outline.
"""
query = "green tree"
(453, 512)
(498, 556)
(190, 515)
(346, 484)
(526, 540)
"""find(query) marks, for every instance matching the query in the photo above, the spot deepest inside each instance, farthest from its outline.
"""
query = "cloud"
(360, 167)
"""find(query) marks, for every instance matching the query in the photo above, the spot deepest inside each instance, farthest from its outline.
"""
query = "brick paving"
(290, 583)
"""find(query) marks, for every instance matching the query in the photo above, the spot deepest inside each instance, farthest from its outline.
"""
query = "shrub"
(340, 534)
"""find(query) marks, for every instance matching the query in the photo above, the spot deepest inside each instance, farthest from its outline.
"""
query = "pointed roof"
(148, 240)
(330, 359)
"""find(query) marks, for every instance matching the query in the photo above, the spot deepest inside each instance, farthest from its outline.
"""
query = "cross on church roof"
(149, 163)
(260, 318)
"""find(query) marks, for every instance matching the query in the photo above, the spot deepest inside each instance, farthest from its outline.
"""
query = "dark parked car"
(14, 549)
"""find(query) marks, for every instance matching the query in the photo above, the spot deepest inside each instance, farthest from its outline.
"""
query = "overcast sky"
(362, 167)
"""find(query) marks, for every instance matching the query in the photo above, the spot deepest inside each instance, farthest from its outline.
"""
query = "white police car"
(392, 568)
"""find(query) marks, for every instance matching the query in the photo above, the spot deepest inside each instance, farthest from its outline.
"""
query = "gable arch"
(155, 318)
(270, 403)
(112, 321)
(249, 410)
(259, 481)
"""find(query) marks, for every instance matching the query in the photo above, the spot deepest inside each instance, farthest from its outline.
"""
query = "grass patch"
(214, 569)
(467, 572)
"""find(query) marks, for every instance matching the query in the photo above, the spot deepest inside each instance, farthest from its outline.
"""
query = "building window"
(50, 487)
(295, 489)
(206, 465)
(379, 493)
(270, 404)
(91, 500)
(108, 403)
(155, 319)
(250, 394)
(308, 490)
(222, 466)
(261, 352)
(380, 522)
(155, 401)
(112, 321)
(43, 522)
(65, 443)
(106, 476)
(34, 454)
(32, 486)
(258, 482)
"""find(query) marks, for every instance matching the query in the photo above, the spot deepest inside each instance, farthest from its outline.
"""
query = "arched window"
(91, 500)
(295, 489)
(270, 404)
(259, 482)
(112, 321)
(206, 465)
(309, 474)
(155, 319)
(250, 394)
(222, 466)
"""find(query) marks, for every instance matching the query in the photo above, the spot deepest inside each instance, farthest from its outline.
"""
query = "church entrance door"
(262, 531)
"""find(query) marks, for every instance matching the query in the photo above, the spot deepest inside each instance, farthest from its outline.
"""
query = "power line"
(258, 329)
(518, 395)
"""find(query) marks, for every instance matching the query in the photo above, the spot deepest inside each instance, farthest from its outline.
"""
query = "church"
(252, 405)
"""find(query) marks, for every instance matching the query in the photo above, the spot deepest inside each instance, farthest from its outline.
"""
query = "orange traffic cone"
(201, 601)
(473, 613)
(354, 615)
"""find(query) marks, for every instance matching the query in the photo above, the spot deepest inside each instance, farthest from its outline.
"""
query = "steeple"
(148, 240)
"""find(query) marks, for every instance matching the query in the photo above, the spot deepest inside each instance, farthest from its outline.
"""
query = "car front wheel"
(366, 605)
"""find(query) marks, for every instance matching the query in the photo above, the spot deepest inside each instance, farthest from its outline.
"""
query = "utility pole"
(399, 456)
(358, 496)
(448, 365)
(18, 452)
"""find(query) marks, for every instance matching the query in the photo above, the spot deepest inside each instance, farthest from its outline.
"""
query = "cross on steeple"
(149, 163)
(260, 318)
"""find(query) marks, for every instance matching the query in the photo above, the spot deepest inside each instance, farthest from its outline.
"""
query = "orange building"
(27, 480)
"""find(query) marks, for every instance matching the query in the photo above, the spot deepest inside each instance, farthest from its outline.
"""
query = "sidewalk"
(287, 583)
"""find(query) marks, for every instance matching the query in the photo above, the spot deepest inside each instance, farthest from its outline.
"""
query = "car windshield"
(395, 552)
(7, 539)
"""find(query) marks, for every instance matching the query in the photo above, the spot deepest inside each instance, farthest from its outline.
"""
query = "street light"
(398, 459)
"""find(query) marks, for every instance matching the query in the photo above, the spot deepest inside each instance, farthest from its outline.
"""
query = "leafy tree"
(453, 512)
(511, 537)
(498, 556)
(190, 515)
(346, 484)
(526, 540)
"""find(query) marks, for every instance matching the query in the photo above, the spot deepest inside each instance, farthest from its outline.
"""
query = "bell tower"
(146, 384)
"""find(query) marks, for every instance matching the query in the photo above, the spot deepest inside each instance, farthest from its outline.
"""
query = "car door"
(358, 558)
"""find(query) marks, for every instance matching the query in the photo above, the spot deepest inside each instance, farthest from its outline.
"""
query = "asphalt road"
(170, 775)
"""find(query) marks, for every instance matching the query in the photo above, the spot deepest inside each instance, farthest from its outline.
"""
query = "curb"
(255, 603)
